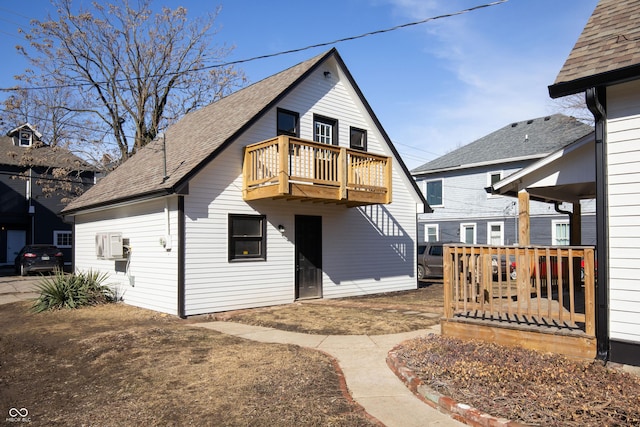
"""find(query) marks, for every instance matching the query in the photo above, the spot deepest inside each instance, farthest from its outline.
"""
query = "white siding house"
(605, 64)
(203, 240)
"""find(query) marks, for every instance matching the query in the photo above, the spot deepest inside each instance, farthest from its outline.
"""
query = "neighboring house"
(456, 183)
(30, 192)
(287, 189)
(605, 63)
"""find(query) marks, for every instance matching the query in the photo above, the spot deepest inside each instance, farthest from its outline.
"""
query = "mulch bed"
(524, 385)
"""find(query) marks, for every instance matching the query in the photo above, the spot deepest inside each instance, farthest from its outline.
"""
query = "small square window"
(288, 123)
(62, 239)
(325, 130)
(247, 237)
(358, 139)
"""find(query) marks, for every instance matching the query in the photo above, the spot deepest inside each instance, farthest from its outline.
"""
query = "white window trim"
(424, 190)
(426, 231)
(30, 139)
(554, 236)
(491, 195)
(489, 225)
(463, 226)
(56, 233)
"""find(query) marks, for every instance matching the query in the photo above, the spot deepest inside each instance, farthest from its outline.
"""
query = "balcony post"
(388, 172)
(245, 172)
(283, 150)
(343, 174)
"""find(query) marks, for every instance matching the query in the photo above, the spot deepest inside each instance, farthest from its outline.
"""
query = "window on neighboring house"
(431, 232)
(358, 139)
(62, 239)
(495, 233)
(25, 138)
(492, 178)
(288, 123)
(325, 130)
(247, 237)
(468, 233)
(560, 233)
(433, 191)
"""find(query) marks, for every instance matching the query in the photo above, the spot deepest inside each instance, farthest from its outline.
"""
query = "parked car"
(430, 260)
(39, 259)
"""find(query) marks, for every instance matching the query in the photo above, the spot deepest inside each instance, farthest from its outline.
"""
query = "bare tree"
(575, 106)
(129, 71)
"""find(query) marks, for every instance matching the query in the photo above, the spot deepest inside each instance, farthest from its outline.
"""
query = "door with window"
(308, 253)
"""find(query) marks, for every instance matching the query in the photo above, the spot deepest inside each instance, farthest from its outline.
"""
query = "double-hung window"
(247, 237)
(433, 191)
(561, 234)
(325, 130)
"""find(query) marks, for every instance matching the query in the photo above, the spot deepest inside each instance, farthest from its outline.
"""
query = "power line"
(285, 52)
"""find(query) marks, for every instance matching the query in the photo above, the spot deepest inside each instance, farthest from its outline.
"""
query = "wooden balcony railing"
(292, 168)
(537, 289)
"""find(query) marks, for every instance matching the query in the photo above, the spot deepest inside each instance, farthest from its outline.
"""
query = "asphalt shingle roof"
(39, 155)
(610, 41)
(527, 139)
(192, 141)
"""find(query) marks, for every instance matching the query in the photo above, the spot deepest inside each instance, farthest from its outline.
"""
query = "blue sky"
(434, 86)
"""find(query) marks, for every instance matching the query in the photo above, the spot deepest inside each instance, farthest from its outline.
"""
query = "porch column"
(524, 230)
(575, 238)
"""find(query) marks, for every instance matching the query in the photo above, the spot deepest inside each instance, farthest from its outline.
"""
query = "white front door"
(16, 239)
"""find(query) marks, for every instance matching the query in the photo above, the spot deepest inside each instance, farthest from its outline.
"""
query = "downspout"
(556, 206)
(181, 256)
(595, 98)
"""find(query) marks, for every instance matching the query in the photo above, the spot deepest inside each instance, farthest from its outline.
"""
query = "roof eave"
(118, 202)
(571, 87)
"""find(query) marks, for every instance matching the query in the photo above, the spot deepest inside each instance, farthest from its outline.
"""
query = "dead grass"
(388, 313)
(119, 365)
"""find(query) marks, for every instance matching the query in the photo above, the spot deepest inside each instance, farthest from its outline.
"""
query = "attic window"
(25, 138)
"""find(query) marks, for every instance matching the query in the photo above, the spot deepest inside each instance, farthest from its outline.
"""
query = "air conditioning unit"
(109, 246)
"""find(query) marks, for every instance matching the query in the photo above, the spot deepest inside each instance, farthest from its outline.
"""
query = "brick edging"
(458, 411)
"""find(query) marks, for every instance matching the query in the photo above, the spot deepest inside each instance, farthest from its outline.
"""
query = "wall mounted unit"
(109, 246)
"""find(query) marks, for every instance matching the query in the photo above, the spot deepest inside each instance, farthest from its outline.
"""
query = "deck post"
(524, 231)
(343, 172)
(283, 151)
(448, 291)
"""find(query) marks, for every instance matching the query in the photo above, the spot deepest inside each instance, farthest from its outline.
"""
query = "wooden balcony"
(291, 168)
(548, 304)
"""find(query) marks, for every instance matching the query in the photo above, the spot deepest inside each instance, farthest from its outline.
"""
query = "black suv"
(39, 258)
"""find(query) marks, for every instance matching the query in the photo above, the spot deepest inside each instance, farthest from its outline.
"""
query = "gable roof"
(38, 155)
(608, 50)
(199, 137)
(529, 139)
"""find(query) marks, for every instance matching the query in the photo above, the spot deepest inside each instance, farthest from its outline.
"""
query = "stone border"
(458, 411)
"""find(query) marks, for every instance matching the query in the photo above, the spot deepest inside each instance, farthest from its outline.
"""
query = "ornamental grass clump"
(72, 291)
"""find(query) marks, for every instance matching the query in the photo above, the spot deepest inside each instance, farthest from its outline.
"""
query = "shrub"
(72, 291)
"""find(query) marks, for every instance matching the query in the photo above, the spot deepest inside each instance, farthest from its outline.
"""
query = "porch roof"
(566, 175)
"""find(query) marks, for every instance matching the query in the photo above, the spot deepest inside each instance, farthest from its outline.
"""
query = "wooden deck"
(291, 168)
(548, 305)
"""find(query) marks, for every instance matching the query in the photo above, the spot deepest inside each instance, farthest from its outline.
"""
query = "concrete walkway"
(362, 359)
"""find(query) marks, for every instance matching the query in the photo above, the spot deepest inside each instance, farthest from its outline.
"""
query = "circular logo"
(15, 412)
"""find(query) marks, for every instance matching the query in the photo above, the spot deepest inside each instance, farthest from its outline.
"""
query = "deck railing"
(533, 285)
(285, 160)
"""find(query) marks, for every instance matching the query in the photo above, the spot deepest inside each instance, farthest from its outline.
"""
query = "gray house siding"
(541, 230)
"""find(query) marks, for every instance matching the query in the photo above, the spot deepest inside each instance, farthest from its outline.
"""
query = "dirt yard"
(116, 365)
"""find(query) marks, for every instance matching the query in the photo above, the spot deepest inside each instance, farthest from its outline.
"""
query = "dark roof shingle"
(528, 139)
(192, 141)
(610, 42)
